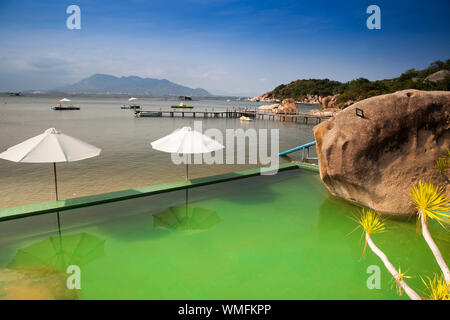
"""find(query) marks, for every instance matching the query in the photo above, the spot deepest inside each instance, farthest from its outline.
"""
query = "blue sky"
(239, 47)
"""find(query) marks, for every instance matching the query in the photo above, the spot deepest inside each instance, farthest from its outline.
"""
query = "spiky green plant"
(372, 223)
(436, 288)
(432, 203)
(442, 164)
(396, 281)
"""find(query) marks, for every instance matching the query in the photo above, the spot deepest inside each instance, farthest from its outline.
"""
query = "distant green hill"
(362, 88)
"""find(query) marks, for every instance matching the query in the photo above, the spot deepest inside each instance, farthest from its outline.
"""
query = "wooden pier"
(254, 113)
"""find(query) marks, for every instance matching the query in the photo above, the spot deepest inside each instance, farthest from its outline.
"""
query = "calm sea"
(127, 159)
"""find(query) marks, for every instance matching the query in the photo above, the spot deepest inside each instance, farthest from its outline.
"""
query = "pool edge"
(86, 201)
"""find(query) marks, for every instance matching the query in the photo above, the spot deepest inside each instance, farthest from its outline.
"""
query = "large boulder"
(374, 160)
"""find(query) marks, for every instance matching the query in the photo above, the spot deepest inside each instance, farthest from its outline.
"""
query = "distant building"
(184, 98)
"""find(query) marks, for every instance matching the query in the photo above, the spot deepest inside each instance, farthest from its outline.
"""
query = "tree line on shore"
(361, 88)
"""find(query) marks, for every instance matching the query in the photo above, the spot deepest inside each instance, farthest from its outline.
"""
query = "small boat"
(139, 113)
(131, 107)
(181, 105)
(243, 118)
(60, 107)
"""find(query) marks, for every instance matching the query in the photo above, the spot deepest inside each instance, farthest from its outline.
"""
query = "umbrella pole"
(56, 191)
(187, 178)
(56, 180)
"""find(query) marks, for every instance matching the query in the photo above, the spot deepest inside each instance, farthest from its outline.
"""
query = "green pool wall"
(79, 202)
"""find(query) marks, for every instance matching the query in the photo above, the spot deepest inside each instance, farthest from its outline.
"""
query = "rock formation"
(374, 160)
(34, 283)
(269, 106)
(438, 76)
(289, 106)
(330, 102)
(267, 97)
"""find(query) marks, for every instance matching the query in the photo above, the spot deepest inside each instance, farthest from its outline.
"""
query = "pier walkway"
(252, 113)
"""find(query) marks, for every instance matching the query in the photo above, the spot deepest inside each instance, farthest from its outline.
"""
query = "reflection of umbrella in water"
(186, 219)
(59, 252)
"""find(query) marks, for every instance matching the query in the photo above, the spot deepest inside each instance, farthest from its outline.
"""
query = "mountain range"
(108, 84)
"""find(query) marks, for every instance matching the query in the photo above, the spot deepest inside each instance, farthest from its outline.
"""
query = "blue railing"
(303, 147)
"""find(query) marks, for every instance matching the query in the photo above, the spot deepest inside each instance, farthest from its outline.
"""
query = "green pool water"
(264, 237)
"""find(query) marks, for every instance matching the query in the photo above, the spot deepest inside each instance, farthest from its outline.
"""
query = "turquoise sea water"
(127, 159)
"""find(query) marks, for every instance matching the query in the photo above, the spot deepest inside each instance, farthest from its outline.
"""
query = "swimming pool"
(262, 237)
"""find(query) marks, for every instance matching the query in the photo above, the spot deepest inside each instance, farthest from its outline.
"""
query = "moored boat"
(182, 105)
(130, 107)
(139, 113)
(61, 107)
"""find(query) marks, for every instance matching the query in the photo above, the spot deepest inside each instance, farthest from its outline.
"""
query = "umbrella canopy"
(59, 252)
(50, 146)
(186, 141)
(132, 99)
(64, 100)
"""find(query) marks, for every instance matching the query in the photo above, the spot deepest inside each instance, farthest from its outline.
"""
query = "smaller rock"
(289, 106)
(270, 106)
(34, 283)
(438, 76)
(329, 102)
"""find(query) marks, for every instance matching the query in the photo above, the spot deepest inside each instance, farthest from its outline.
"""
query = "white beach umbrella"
(64, 100)
(186, 141)
(50, 146)
(132, 99)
